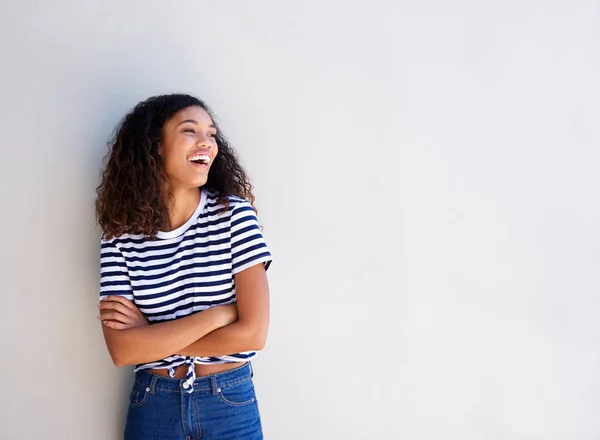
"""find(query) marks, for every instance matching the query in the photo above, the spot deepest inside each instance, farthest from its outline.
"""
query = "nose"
(205, 142)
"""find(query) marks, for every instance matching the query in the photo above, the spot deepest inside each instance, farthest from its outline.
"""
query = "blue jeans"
(222, 406)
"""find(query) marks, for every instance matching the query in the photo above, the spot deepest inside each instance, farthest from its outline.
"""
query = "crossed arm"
(217, 331)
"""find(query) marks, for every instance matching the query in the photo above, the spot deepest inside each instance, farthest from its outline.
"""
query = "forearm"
(234, 338)
(152, 342)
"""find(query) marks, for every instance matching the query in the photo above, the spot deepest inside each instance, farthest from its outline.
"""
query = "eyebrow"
(194, 122)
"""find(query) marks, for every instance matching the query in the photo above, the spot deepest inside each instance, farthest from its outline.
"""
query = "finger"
(119, 309)
(106, 314)
(115, 325)
(121, 299)
(115, 316)
(112, 305)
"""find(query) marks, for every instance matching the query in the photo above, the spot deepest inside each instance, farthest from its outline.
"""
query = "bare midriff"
(201, 370)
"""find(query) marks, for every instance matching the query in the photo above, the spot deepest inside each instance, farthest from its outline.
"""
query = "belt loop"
(213, 384)
(153, 381)
(251, 369)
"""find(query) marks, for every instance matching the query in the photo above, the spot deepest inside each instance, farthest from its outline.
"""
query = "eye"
(189, 130)
(213, 135)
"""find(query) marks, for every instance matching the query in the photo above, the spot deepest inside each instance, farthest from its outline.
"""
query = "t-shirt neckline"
(181, 229)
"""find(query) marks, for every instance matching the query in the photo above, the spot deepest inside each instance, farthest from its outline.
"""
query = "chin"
(198, 183)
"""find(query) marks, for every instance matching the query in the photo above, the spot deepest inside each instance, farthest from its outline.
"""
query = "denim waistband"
(212, 383)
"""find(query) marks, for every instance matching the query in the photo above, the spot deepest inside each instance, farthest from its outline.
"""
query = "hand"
(120, 313)
(224, 315)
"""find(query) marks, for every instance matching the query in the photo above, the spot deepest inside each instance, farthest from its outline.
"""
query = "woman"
(184, 292)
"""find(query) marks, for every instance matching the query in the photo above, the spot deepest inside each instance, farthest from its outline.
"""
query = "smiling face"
(188, 148)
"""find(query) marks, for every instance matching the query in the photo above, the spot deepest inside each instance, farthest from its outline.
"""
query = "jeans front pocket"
(138, 395)
(239, 394)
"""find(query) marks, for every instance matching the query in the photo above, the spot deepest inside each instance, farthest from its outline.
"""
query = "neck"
(182, 205)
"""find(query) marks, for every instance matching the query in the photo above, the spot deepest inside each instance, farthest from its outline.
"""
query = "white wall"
(427, 179)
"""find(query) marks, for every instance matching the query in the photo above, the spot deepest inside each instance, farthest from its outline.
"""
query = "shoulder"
(107, 243)
(121, 240)
(239, 204)
(234, 204)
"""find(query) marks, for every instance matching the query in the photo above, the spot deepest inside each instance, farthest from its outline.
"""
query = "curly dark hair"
(132, 195)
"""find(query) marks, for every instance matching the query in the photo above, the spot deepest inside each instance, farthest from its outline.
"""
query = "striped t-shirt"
(186, 270)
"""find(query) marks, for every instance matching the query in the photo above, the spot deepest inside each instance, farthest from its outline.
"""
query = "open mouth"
(200, 159)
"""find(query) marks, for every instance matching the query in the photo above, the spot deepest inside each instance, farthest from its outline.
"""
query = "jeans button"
(186, 385)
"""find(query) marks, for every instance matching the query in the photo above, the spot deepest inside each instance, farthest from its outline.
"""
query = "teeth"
(200, 158)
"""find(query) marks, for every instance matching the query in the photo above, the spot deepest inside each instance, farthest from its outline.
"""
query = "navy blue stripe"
(113, 274)
(179, 260)
(115, 254)
(232, 200)
(242, 252)
(183, 307)
(243, 205)
(214, 207)
(254, 258)
(161, 257)
(167, 283)
(221, 218)
(183, 288)
(256, 236)
(106, 264)
(242, 355)
(194, 265)
(236, 220)
(115, 283)
(187, 295)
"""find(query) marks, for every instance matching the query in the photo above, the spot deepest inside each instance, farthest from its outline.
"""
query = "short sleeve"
(248, 246)
(114, 276)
